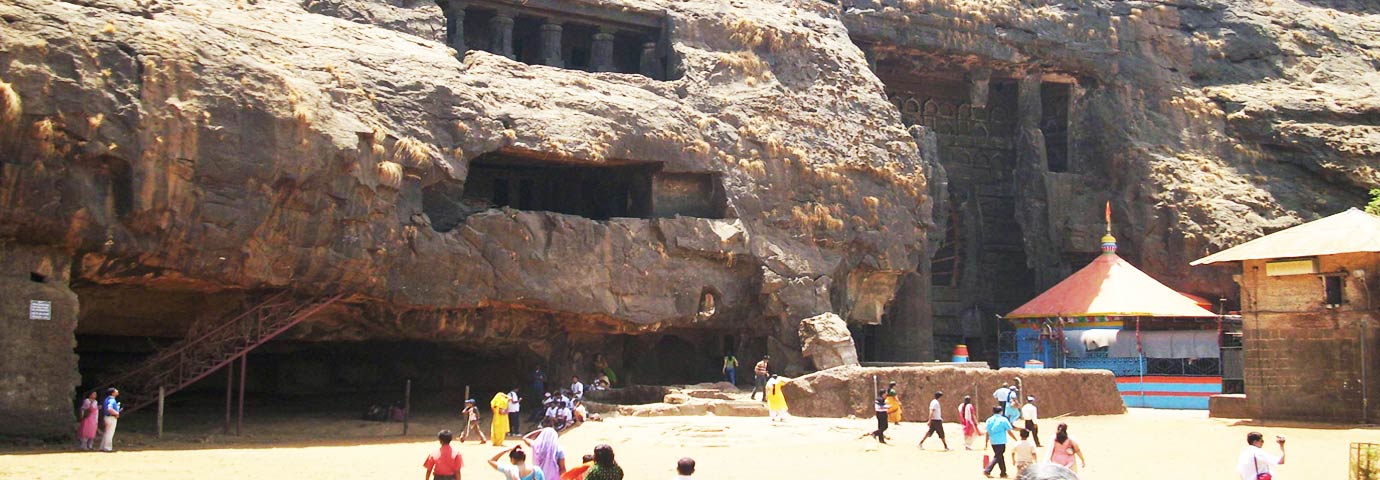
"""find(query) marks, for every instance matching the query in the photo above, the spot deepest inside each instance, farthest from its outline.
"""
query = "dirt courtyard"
(1140, 444)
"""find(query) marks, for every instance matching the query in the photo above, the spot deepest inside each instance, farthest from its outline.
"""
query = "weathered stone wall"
(845, 391)
(1303, 360)
(37, 365)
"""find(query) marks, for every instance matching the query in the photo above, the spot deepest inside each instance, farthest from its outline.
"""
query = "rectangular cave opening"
(598, 192)
(1054, 122)
(554, 33)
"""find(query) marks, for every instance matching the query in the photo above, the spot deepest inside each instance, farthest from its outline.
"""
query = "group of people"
(98, 417)
(997, 428)
(546, 461)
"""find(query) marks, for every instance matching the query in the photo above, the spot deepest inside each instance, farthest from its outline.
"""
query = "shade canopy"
(1110, 286)
(1351, 231)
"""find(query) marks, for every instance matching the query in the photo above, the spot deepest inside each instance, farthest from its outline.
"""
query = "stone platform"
(845, 391)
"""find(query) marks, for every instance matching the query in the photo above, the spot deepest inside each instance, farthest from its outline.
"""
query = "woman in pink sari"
(967, 415)
(1065, 450)
(546, 453)
(90, 412)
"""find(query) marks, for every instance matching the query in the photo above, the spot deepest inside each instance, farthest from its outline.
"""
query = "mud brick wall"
(1302, 359)
(844, 391)
(37, 366)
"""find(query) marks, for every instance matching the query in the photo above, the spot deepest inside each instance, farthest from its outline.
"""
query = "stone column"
(455, 16)
(978, 81)
(1042, 246)
(39, 313)
(501, 27)
(650, 65)
(601, 51)
(551, 44)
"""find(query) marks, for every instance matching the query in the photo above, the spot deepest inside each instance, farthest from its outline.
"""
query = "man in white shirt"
(1254, 460)
(1031, 414)
(577, 389)
(514, 412)
(936, 422)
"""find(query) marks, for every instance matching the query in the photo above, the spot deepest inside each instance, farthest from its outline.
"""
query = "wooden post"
(239, 421)
(407, 404)
(229, 394)
(162, 394)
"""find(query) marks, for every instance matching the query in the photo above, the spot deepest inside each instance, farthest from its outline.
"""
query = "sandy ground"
(1140, 444)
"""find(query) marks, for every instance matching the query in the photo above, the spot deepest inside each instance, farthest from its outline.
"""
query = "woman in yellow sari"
(776, 399)
(499, 427)
(893, 404)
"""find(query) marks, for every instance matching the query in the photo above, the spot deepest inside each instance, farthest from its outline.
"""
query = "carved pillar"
(601, 51)
(551, 44)
(650, 65)
(502, 30)
(455, 18)
(978, 81)
(1042, 244)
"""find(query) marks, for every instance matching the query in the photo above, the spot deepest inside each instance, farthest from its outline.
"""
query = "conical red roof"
(1110, 286)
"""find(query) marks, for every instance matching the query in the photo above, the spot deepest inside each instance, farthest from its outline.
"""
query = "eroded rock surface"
(825, 340)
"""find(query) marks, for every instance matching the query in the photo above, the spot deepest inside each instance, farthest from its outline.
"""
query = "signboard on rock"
(40, 310)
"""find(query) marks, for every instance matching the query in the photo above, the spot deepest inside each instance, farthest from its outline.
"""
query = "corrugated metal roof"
(1110, 286)
(1347, 232)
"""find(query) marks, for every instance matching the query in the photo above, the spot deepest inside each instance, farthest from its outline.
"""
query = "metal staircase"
(206, 350)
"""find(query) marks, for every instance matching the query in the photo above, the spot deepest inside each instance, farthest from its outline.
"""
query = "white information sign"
(40, 310)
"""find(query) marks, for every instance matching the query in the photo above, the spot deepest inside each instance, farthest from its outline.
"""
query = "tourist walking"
(90, 415)
(685, 467)
(1002, 395)
(514, 412)
(759, 374)
(471, 416)
(498, 427)
(1065, 449)
(604, 467)
(967, 415)
(936, 422)
(730, 368)
(998, 429)
(882, 424)
(893, 404)
(1023, 452)
(110, 410)
(445, 462)
(517, 467)
(776, 399)
(1254, 462)
(547, 453)
(1030, 414)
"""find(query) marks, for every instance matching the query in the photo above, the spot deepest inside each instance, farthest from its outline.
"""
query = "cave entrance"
(306, 385)
(981, 260)
(615, 189)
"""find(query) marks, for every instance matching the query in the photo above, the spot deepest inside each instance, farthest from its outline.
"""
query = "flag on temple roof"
(1351, 231)
(1110, 287)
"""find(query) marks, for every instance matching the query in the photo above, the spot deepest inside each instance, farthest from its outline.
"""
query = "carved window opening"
(37, 277)
(1054, 122)
(523, 180)
(1333, 291)
(558, 34)
(107, 183)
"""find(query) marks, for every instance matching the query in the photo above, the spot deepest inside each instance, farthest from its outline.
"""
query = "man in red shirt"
(443, 464)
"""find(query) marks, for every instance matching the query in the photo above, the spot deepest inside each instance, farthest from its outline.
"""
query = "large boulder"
(825, 340)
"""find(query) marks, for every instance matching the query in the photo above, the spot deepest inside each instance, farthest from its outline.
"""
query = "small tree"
(1373, 207)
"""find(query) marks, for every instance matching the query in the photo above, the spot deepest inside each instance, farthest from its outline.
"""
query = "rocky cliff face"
(1205, 122)
(219, 145)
